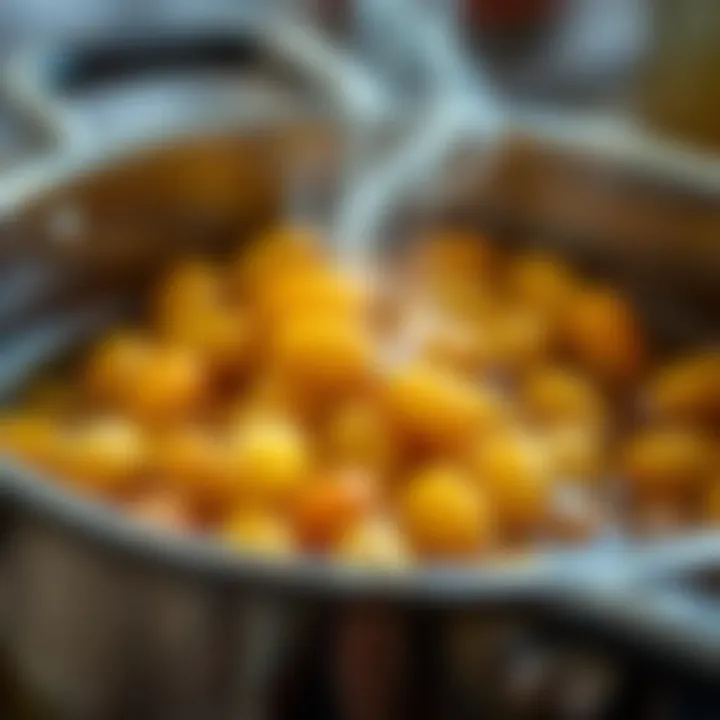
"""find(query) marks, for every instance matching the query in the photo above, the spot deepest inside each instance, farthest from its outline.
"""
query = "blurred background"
(658, 57)
(605, 61)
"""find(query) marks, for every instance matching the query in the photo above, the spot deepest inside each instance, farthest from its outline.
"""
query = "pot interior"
(84, 255)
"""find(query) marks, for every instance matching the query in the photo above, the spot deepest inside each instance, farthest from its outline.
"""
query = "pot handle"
(37, 80)
(26, 95)
(660, 598)
(434, 132)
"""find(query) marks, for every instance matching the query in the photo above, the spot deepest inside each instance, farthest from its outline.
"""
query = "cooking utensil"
(466, 106)
(458, 102)
(200, 184)
(105, 618)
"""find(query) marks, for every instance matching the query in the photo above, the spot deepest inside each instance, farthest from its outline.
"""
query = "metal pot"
(104, 619)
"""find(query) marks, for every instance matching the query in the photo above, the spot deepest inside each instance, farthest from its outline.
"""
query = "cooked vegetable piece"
(456, 403)
(445, 515)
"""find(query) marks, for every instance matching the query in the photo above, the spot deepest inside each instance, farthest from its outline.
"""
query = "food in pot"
(260, 532)
(711, 503)
(327, 506)
(267, 462)
(602, 333)
(669, 461)
(514, 468)
(686, 390)
(463, 402)
(375, 542)
(445, 515)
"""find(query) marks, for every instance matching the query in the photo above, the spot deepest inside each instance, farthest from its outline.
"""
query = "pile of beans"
(457, 404)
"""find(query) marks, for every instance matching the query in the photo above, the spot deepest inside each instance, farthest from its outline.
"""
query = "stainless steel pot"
(105, 619)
